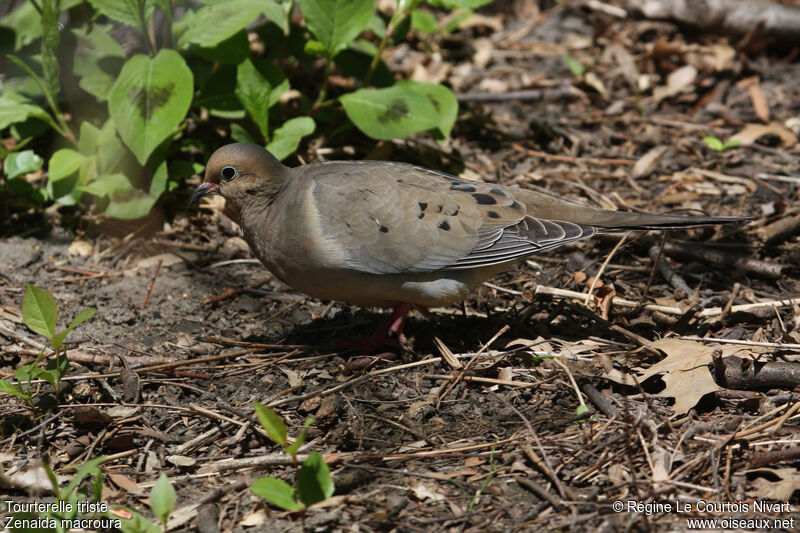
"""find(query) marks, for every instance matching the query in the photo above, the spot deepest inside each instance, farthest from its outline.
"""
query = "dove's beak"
(204, 189)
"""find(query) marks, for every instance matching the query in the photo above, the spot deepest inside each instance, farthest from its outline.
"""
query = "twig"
(603, 267)
(152, 282)
(568, 159)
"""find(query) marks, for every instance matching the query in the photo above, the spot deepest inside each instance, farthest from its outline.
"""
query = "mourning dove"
(378, 233)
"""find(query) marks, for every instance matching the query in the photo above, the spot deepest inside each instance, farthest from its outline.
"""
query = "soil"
(501, 444)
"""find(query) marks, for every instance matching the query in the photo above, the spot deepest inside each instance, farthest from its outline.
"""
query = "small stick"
(603, 267)
(152, 282)
(568, 159)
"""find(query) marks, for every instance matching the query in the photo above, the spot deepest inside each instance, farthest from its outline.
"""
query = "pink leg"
(391, 326)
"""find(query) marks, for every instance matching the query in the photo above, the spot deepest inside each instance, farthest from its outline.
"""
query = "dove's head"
(241, 173)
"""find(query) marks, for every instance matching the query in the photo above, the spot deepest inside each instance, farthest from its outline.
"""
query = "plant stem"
(324, 89)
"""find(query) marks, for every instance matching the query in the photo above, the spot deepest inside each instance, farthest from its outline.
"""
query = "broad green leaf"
(286, 138)
(231, 51)
(277, 492)
(26, 23)
(253, 91)
(125, 201)
(314, 482)
(63, 184)
(6, 387)
(424, 21)
(272, 423)
(713, 143)
(443, 100)
(301, 438)
(15, 108)
(39, 311)
(19, 163)
(278, 12)
(98, 58)
(575, 67)
(159, 182)
(149, 99)
(390, 113)
(82, 317)
(215, 23)
(130, 12)
(162, 498)
(335, 23)
(64, 163)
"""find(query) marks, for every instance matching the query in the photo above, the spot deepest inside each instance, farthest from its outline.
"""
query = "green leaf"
(277, 492)
(82, 317)
(391, 113)
(301, 438)
(98, 58)
(271, 423)
(63, 184)
(732, 143)
(149, 99)
(50, 37)
(129, 12)
(442, 99)
(575, 67)
(581, 411)
(314, 482)
(424, 21)
(286, 138)
(39, 311)
(231, 51)
(253, 91)
(88, 468)
(335, 23)
(19, 163)
(278, 12)
(125, 200)
(714, 143)
(6, 387)
(162, 498)
(212, 24)
(15, 108)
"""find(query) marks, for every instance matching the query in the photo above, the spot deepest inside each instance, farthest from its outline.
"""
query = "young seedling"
(40, 313)
(162, 503)
(313, 484)
(716, 144)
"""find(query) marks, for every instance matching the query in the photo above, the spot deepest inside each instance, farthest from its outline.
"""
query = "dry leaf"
(752, 132)
(678, 81)
(256, 518)
(759, 100)
(595, 83)
(425, 492)
(781, 490)
(647, 163)
(81, 248)
(685, 370)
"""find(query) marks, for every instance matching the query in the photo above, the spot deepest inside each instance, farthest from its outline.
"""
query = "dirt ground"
(476, 425)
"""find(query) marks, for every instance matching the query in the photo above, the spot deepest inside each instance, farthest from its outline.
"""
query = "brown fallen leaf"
(759, 99)
(685, 371)
(781, 490)
(753, 132)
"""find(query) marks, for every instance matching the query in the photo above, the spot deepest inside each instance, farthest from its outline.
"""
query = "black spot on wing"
(493, 214)
(383, 229)
(498, 192)
(484, 199)
(423, 206)
(443, 225)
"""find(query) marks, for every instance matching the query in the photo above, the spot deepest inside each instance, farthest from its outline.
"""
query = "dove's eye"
(228, 173)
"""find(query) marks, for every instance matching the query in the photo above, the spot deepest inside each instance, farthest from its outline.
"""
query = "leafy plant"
(123, 116)
(720, 147)
(717, 145)
(313, 484)
(162, 503)
(40, 314)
